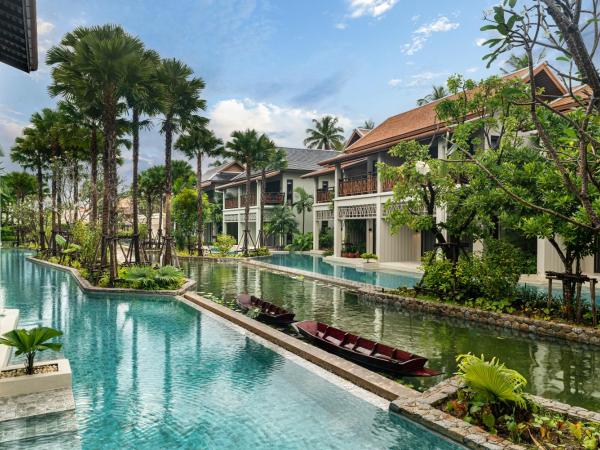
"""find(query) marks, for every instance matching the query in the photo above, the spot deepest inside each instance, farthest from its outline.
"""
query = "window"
(290, 192)
(325, 185)
(495, 141)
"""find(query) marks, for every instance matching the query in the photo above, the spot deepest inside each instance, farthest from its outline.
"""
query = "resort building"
(279, 191)
(18, 40)
(354, 205)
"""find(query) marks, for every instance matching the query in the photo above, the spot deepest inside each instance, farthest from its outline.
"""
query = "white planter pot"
(41, 382)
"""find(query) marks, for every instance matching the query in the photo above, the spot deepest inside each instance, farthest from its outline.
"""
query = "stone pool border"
(86, 286)
(366, 379)
(579, 334)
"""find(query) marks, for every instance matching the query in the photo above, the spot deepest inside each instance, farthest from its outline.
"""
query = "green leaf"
(488, 27)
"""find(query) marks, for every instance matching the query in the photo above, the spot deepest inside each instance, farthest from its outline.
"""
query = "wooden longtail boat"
(371, 354)
(269, 312)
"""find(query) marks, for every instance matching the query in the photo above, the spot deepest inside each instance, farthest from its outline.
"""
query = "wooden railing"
(387, 185)
(325, 195)
(274, 198)
(366, 184)
(231, 203)
(251, 199)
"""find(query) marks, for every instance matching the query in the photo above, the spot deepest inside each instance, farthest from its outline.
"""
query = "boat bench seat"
(335, 336)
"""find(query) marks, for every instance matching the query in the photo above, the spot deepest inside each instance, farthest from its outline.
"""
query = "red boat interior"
(266, 307)
(361, 345)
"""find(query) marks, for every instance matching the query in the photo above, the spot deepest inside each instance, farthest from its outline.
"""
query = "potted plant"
(369, 256)
(29, 342)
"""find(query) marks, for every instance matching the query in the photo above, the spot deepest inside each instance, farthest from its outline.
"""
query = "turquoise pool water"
(316, 264)
(155, 373)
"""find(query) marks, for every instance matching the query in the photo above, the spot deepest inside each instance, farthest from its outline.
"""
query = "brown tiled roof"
(330, 169)
(422, 121)
(567, 101)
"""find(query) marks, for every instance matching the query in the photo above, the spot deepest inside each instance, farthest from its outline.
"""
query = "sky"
(273, 65)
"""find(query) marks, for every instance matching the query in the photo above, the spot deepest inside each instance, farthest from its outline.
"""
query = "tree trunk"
(161, 202)
(134, 185)
(246, 211)
(149, 217)
(53, 188)
(76, 191)
(200, 205)
(40, 198)
(105, 203)
(168, 256)
(261, 233)
(94, 175)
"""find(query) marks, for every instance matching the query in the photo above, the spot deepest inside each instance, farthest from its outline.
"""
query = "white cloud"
(286, 126)
(472, 69)
(423, 78)
(394, 82)
(421, 34)
(373, 8)
(415, 17)
(44, 27)
(340, 26)
(479, 41)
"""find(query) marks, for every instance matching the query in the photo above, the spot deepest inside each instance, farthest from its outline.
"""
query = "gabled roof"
(422, 122)
(569, 100)
(357, 134)
(18, 34)
(227, 169)
(331, 169)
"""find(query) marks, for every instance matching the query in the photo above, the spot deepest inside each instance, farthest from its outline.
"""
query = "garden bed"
(17, 372)
(47, 376)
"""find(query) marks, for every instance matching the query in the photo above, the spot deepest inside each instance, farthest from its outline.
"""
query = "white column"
(378, 227)
(258, 203)
(224, 224)
(315, 231)
(337, 223)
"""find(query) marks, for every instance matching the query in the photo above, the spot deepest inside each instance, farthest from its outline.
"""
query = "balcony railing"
(274, 198)
(366, 184)
(231, 203)
(251, 200)
(325, 195)
(387, 185)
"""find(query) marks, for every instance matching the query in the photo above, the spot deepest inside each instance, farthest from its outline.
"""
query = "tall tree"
(142, 97)
(243, 147)
(368, 124)
(197, 142)
(326, 134)
(180, 100)
(304, 204)
(21, 185)
(437, 92)
(102, 57)
(151, 185)
(520, 61)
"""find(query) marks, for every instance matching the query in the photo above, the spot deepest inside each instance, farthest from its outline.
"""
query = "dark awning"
(18, 34)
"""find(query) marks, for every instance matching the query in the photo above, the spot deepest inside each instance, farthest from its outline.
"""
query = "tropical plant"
(326, 239)
(149, 278)
(244, 147)
(301, 242)
(437, 92)
(368, 124)
(304, 203)
(30, 342)
(185, 212)
(326, 134)
(224, 243)
(272, 159)
(517, 62)
(180, 100)
(151, 184)
(21, 185)
(369, 256)
(491, 380)
(197, 142)
(282, 221)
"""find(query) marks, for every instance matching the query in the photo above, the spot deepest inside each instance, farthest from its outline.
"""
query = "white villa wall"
(403, 246)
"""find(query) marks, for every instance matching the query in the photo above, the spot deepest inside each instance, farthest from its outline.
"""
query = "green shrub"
(87, 237)
(302, 242)
(261, 251)
(369, 256)
(149, 278)
(326, 238)
(224, 243)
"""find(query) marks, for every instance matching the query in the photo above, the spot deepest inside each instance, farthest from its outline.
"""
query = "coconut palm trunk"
(53, 194)
(40, 199)
(168, 255)
(134, 185)
(200, 230)
(94, 175)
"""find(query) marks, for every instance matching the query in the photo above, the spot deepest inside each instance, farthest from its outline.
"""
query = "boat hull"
(270, 313)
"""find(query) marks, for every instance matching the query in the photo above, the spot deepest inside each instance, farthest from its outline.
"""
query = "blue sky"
(275, 64)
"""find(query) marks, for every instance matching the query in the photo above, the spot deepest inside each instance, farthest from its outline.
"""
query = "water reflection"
(564, 371)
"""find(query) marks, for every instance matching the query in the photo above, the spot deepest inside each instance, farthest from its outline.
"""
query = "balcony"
(366, 184)
(325, 195)
(387, 185)
(274, 198)
(250, 198)
(231, 203)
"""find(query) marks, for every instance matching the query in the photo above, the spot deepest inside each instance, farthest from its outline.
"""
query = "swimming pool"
(156, 373)
(316, 264)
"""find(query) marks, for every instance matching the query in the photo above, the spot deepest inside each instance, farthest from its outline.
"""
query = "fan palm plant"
(282, 221)
(30, 342)
(197, 142)
(180, 99)
(326, 134)
(304, 203)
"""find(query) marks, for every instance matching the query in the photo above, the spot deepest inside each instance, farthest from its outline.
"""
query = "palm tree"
(180, 99)
(368, 124)
(437, 92)
(142, 97)
(151, 185)
(282, 222)
(197, 142)
(103, 57)
(518, 62)
(272, 159)
(31, 152)
(244, 148)
(304, 203)
(326, 134)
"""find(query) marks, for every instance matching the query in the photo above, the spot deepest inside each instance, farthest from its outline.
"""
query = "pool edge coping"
(557, 330)
(86, 286)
